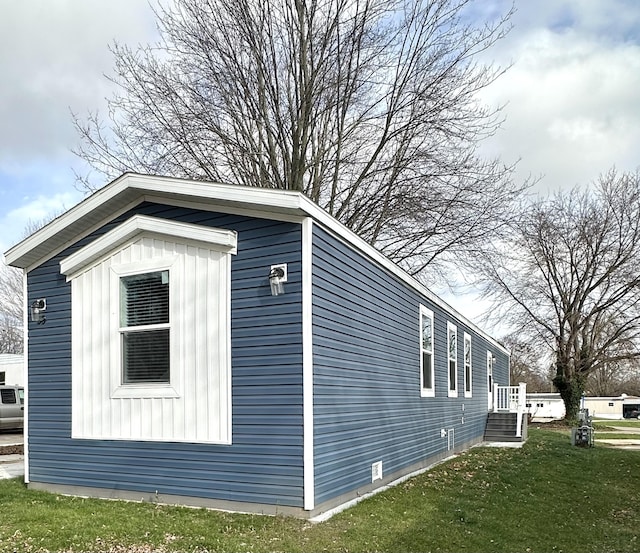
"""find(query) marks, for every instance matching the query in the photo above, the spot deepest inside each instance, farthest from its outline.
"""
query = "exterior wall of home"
(604, 407)
(264, 463)
(545, 406)
(12, 365)
(366, 351)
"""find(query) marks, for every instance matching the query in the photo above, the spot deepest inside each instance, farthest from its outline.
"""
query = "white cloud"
(55, 55)
(571, 97)
(58, 55)
(33, 213)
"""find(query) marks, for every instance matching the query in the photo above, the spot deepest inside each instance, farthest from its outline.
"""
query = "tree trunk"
(571, 390)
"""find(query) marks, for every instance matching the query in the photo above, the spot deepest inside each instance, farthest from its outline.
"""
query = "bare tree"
(614, 379)
(569, 273)
(527, 363)
(369, 107)
(631, 384)
(12, 297)
(11, 326)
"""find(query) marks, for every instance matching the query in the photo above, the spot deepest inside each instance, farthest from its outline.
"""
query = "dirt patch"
(16, 449)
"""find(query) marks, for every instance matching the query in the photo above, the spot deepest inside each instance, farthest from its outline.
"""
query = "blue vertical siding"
(366, 352)
(264, 464)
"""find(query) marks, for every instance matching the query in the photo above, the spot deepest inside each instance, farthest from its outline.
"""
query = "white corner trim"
(307, 364)
(225, 240)
(25, 326)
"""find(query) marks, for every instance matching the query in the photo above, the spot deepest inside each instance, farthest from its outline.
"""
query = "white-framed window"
(144, 328)
(452, 354)
(151, 333)
(468, 371)
(427, 384)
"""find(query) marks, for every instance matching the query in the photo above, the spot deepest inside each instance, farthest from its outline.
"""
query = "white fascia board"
(278, 204)
(198, 204)
(131, 188)
(223, 239)
(80, 210)
(352, 239)
(262, 198)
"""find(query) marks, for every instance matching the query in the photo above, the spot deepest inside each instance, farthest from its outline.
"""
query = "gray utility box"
(583, 435)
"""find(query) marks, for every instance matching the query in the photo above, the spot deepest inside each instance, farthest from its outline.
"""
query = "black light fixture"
(38, 308)
(277, 278)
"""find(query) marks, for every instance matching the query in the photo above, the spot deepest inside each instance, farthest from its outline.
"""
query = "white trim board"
(307, 364)
(131, 188)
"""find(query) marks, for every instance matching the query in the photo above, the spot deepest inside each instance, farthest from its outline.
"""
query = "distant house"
(236, 348)
(11, 369)
(545, 406)
(619, 407)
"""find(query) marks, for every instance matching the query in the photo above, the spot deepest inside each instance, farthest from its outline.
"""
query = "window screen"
(144, 320)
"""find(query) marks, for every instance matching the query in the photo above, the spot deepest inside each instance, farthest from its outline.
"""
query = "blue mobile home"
(236, 348)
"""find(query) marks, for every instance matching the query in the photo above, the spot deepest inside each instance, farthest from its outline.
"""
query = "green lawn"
(615, 436)
(547, 496)
(626, 423)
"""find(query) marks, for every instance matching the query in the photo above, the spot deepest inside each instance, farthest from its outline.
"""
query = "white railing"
(511, 399)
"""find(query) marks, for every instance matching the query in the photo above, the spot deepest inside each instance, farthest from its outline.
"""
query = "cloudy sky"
(570, 99)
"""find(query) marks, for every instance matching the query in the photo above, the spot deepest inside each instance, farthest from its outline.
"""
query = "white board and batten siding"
(195, 406)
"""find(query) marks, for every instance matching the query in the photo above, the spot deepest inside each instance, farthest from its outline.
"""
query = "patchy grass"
(547, 496)
(607, 423)
(615, 436)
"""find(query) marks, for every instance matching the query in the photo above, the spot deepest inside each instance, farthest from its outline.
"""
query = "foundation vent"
(376, 471)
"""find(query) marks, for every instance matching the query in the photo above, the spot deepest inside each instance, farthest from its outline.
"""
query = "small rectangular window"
(468, 372)
(144, 327)
(426, 352)
(8, 396)
(452, 341)
(3, 376)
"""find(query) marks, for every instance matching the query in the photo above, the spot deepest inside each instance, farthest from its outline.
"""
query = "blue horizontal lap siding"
(264, 464)
(366, 352)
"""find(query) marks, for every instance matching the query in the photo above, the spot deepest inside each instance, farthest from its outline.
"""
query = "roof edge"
(131, 187)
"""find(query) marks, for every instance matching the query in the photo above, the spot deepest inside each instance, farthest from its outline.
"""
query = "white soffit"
(221, 239)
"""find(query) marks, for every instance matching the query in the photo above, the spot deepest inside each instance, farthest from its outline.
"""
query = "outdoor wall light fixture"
(38, 307)
(277, 278)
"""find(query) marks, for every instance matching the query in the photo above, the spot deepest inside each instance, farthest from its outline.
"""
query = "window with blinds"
(144, 327)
